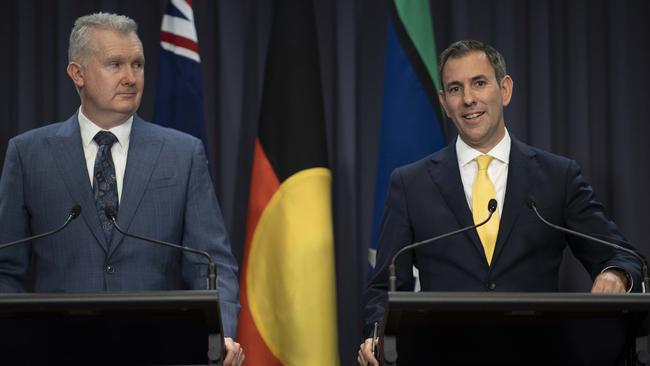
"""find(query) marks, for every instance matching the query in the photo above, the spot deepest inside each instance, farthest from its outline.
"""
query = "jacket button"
(491, 286)
(110, 269)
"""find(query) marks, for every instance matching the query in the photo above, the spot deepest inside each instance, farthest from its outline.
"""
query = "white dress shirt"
(119, 150)
(497, 170)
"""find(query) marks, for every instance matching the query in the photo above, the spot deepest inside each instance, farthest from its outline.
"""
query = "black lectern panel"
(511, 329)
(165, 328)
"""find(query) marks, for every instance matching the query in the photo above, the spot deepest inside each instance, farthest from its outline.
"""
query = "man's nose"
(468, 96)
(129, 76)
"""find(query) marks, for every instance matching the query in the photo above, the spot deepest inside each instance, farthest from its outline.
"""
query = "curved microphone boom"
(392, 279)
(212, 271)
(645, 284)
(74, 213)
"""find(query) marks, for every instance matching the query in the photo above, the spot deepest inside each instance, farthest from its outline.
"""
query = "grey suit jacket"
(167, 194)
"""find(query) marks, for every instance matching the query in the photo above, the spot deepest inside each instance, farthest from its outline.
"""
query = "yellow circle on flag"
(290, 277)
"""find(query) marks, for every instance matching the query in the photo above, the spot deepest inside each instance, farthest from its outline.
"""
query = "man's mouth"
(473, 115)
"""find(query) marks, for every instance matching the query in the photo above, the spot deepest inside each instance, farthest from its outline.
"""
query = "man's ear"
(506, 89)
(75, 71)
(443, 101)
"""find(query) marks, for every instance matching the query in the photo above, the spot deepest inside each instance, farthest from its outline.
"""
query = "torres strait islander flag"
(288, 292)
(411, 116)
(179, 98)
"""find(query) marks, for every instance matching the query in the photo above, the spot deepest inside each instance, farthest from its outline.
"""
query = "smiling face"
(474, 99)
(111, 79)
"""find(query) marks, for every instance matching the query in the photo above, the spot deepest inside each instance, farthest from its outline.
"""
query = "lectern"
(119, 328)
(430, 328)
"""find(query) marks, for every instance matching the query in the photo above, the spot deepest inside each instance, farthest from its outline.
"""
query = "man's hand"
(234, 353)
(610, 282)
(365, 356)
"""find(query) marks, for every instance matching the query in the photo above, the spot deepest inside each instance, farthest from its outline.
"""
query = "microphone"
(212, 271)
(645, 284)
(74, 213)
(492, 207)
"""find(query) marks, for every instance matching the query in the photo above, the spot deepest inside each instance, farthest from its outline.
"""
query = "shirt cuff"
(630, 280)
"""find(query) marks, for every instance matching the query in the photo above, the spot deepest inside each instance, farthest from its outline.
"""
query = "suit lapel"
(144, 148)
(521, 169)
(67, 152)
(446, 176)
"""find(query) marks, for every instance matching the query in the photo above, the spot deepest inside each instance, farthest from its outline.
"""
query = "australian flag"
(179, 100)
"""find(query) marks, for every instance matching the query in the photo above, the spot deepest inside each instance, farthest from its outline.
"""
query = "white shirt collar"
(501, 151)
(89, 129)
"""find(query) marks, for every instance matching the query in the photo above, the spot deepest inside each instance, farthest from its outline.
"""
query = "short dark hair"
(461, 48)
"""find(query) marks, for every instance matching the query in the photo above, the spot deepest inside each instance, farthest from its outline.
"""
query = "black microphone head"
(110, 212)
(75, 211)
(492, 205)
(531, 202)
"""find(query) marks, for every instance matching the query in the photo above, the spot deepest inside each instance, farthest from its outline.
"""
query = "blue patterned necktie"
(104, 182)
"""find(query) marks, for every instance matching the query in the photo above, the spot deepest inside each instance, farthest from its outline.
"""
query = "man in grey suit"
(156, 179)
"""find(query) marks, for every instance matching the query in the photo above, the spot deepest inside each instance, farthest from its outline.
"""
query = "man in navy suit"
(434, 196)
(105, 155)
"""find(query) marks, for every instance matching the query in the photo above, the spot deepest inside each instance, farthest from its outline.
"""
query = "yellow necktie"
(482, 192)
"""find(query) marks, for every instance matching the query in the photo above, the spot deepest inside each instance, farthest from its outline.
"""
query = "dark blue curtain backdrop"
(581, 88)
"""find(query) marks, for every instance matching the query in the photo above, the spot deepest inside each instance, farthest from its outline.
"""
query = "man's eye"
(454, 89)
(480, 83)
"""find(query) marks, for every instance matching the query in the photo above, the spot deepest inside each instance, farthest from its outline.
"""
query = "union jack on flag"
(179, 99)
(177, 33)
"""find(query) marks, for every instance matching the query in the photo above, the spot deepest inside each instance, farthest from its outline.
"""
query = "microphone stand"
(645, 284)
(74, 213)
(212, 269)
(392, 279)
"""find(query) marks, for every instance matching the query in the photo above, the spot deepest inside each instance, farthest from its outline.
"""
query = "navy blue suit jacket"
(426, 199)
(167, 194)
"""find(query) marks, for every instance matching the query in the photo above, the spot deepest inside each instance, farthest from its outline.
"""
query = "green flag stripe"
(416, 18)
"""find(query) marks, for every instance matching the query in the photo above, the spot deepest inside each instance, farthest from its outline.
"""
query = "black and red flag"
(288, 291)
